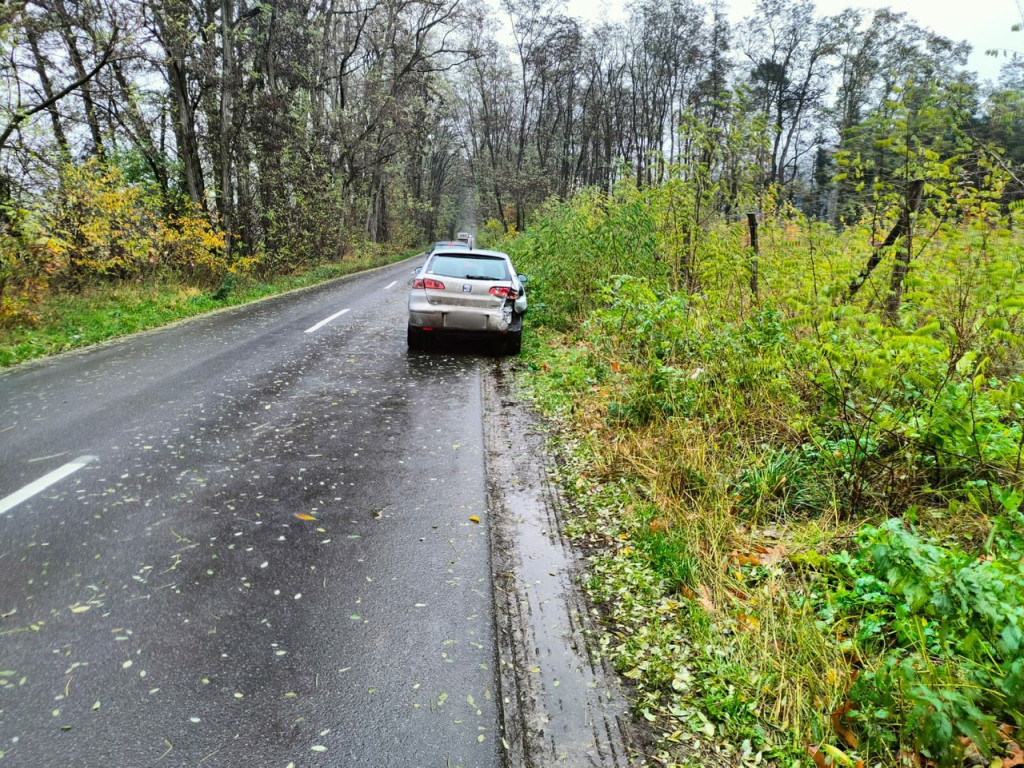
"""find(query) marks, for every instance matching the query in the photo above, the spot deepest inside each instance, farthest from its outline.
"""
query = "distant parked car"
(446, 244)
(465, 237)
(468, 294)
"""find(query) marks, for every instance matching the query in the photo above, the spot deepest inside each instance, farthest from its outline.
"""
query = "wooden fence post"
(754, 255)
(915, 190)
(912, 201)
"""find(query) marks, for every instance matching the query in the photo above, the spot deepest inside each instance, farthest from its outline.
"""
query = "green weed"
(103, 311)
(945, 630)
(757, 445)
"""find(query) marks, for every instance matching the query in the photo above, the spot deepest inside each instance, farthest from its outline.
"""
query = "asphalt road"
(262, 550)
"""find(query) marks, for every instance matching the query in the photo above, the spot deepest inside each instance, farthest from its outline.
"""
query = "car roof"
(485, 252)
(470, 253)
(463, 251)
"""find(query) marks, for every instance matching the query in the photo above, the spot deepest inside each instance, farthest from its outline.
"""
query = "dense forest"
(198, 137)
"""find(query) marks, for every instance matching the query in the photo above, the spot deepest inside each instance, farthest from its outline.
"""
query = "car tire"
(414, 337)
(513, 343)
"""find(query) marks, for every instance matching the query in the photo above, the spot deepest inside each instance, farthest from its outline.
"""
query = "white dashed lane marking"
(44, 482)
(325, 321)
(391, 285)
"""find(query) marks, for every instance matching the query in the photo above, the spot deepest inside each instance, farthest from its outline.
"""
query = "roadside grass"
(724, 666)
(802, 521)
(65, 321)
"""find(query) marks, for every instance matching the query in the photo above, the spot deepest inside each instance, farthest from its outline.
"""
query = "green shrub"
(941, 631)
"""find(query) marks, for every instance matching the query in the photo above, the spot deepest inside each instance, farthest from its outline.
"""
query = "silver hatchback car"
(468, 294)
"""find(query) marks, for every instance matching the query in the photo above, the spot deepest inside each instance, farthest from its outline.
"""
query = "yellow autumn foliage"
(27, 258)
(97, 225)
(190, 245)
(106, 227)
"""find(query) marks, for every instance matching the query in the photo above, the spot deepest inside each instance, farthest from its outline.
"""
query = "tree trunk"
(48, 92)
(754, 256)
(227, 94)
(185, 132)
(915, 191)
(67, 29)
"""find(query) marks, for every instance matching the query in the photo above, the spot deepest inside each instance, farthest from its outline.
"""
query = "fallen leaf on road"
(303, 516)
(474, 518)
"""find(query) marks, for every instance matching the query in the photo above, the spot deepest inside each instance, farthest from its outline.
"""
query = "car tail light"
(504, 292)
(428, 282)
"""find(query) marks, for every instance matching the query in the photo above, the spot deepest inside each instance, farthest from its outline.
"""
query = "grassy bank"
(803, 513)
(64, 321)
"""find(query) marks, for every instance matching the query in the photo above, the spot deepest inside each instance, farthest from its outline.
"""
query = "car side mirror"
(522, 279)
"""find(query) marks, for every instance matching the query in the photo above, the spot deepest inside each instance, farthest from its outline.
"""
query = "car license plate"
(466, 321)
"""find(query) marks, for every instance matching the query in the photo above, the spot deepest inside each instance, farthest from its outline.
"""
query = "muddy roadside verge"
(560, 704)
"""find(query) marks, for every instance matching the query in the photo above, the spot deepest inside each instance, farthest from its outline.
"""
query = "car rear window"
(475, 267)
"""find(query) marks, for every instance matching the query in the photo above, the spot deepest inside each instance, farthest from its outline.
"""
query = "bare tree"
(34, 85)
(789, 51)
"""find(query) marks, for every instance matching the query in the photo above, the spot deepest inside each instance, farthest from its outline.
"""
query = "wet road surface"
(563, 704)
(263, 551)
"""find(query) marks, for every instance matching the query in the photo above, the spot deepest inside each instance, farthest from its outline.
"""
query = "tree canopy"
(299, 127)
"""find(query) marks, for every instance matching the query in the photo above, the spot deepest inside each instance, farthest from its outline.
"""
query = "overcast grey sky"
(983, 23)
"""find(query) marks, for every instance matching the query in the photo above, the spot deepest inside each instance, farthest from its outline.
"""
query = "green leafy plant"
(945, 629)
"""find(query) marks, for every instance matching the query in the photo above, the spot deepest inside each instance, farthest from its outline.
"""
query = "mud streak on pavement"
(560, 705)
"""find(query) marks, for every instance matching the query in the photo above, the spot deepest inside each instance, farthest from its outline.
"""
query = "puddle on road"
(561, 706)
(571, 688)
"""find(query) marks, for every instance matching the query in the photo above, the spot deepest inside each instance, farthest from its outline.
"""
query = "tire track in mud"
(560, 704)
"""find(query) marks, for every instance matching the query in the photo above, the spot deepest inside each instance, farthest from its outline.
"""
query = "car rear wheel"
(513, 343)
(414, 336)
